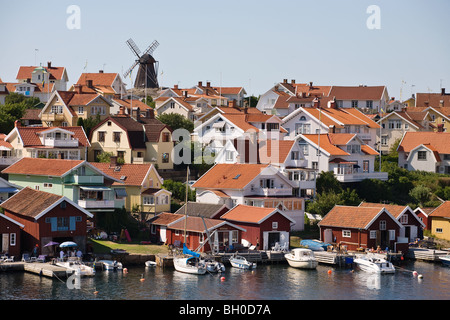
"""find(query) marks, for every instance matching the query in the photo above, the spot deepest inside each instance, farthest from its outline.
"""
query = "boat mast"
(186, 203)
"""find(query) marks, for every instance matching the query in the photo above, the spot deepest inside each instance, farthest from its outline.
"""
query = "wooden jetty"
(425, 254)
(40, 268)
(334, 258)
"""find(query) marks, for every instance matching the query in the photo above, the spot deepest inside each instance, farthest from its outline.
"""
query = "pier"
(425, 254)
(40, 268)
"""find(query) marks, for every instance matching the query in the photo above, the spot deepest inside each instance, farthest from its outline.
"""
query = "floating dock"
(425, 254)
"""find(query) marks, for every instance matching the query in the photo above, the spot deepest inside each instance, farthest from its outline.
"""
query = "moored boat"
(374, 264)
(301, 258)
(76, 266)
(213, 266)
(150, 263)
(111, 265)
(445, 260)
(189, 262)
(242, 263)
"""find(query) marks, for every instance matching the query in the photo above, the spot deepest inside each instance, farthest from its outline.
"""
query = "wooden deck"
(42, 269)
(425, 254)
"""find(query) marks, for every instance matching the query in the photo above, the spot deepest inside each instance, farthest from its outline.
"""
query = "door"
(328, 236)
(413, 232)
(5, 242)
(274, 237)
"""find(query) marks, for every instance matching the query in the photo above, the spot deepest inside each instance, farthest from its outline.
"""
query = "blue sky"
(250, 43)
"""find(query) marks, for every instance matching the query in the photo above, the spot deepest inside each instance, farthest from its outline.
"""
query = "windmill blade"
(125, 75)
(134, 47)
(151, 48)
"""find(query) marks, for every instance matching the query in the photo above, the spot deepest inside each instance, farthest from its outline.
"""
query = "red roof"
(244, 213)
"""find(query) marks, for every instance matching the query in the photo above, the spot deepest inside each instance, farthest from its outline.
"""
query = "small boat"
(192, 265)
(75, 265)
(374, 264)
(315, 245)
(301, 258)
(150, 263)
(445, 260)
(111, 265)
(241, 263)
(213, 266)
(189, 262)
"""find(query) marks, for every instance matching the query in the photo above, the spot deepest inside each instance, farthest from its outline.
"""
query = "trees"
(176, 121)
(14, 108)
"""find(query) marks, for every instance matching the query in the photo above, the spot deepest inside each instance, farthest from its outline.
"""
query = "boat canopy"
(192, 253)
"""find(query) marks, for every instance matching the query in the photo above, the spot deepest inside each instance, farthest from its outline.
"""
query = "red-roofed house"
(361, 227)
(106, 84)
(48, 142)
(426, 151)
(263, 226)
(345, 154)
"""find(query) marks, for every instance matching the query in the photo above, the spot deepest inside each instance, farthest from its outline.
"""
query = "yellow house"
(140, 140)
(440, 221)
(65, 107)
(141, 188)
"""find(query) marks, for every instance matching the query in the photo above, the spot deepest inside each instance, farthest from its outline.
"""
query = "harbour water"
(267, 282)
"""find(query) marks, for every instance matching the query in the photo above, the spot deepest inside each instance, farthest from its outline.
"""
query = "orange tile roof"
(436, 141)
(432, 100)
(165, 218)
(442, 211)
(326, 144)
(369, 150)
(25, 72)
(393, 209)
(284, 150)
(357, 92)
(98, 79)
(134, 173)
(229, 176)
(240, 120)
(196, 224)
(30, 135)
(38, 166)
(244, 213)
(350, 217)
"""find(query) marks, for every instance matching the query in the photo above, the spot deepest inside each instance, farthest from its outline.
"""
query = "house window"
(275, 225)
(404, 219)
(383, 225)
(391, 235)
(339, 103)
(48, 185)
(121, 155)
(166, 137)
(273, 127)
(438, 230)
(346, 233)
(354, 148)
(366, 166)
(354, 103)
(369, 104)
(422, 155)
(62, 223)
(373, 234)
(267, 183)
(295, 155)
(12, 239)
(302, 128)
(80, 110)
(304, 147)
(165, 158)
(230, 156)
(101, 136)
(57, 109)
(116, 137)
(315, 165)
(148, 200)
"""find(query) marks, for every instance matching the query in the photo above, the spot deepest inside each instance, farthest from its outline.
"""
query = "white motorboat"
(445, 260)
(150, 263)
(111, 265)
(242, 263)
(75, 265)
(213, 266)
(374, 264)
(189, 264)
(301, 258)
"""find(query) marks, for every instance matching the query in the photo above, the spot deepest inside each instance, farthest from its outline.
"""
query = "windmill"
(147, 76)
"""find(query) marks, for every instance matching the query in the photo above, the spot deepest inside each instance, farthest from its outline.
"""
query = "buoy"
(329, 271)
(222, 279)
(95, 292)
(125, 270)
(142, 278)
(420, 276)
(415, 273)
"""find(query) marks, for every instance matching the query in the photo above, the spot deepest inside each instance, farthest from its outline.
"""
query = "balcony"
(359, 176)
(88, 179)
(52, 117)
(96, 204)
(7, 161)
(67, 143)
(272, 192)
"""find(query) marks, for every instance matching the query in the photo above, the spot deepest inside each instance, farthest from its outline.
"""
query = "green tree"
(149, 102)
(421, 194)
(327, 182)
(176, 121)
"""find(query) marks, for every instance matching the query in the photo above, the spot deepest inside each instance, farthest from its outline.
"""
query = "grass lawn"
(105, 246)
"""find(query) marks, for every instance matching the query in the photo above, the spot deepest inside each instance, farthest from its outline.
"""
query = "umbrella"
(51, 243)
(68, 244)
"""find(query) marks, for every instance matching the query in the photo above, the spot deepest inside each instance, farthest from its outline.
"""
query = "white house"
(328, 118)
(426, 151)
(260, 185)
(345, 154)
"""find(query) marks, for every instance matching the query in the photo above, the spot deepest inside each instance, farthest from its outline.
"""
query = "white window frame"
(346, 234)
(391, 235)
(373, 234)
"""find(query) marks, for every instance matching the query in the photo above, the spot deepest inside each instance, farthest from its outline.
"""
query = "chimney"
(113, 162)
(310, 84)
(316, 103)
(442, 91)
(77, 88)
(185, 93)
(208, 84)
(100, 71)
(332, 129)
(16, 123)
(121, 110)
(136, 113)
(200, 84)
(150, 113)
(293, 81)
(49, 64)
(285, 81)
(441, 103)
(332, 104)
(175, 86)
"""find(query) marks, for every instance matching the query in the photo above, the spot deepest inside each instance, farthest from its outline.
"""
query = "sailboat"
(189, 261)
